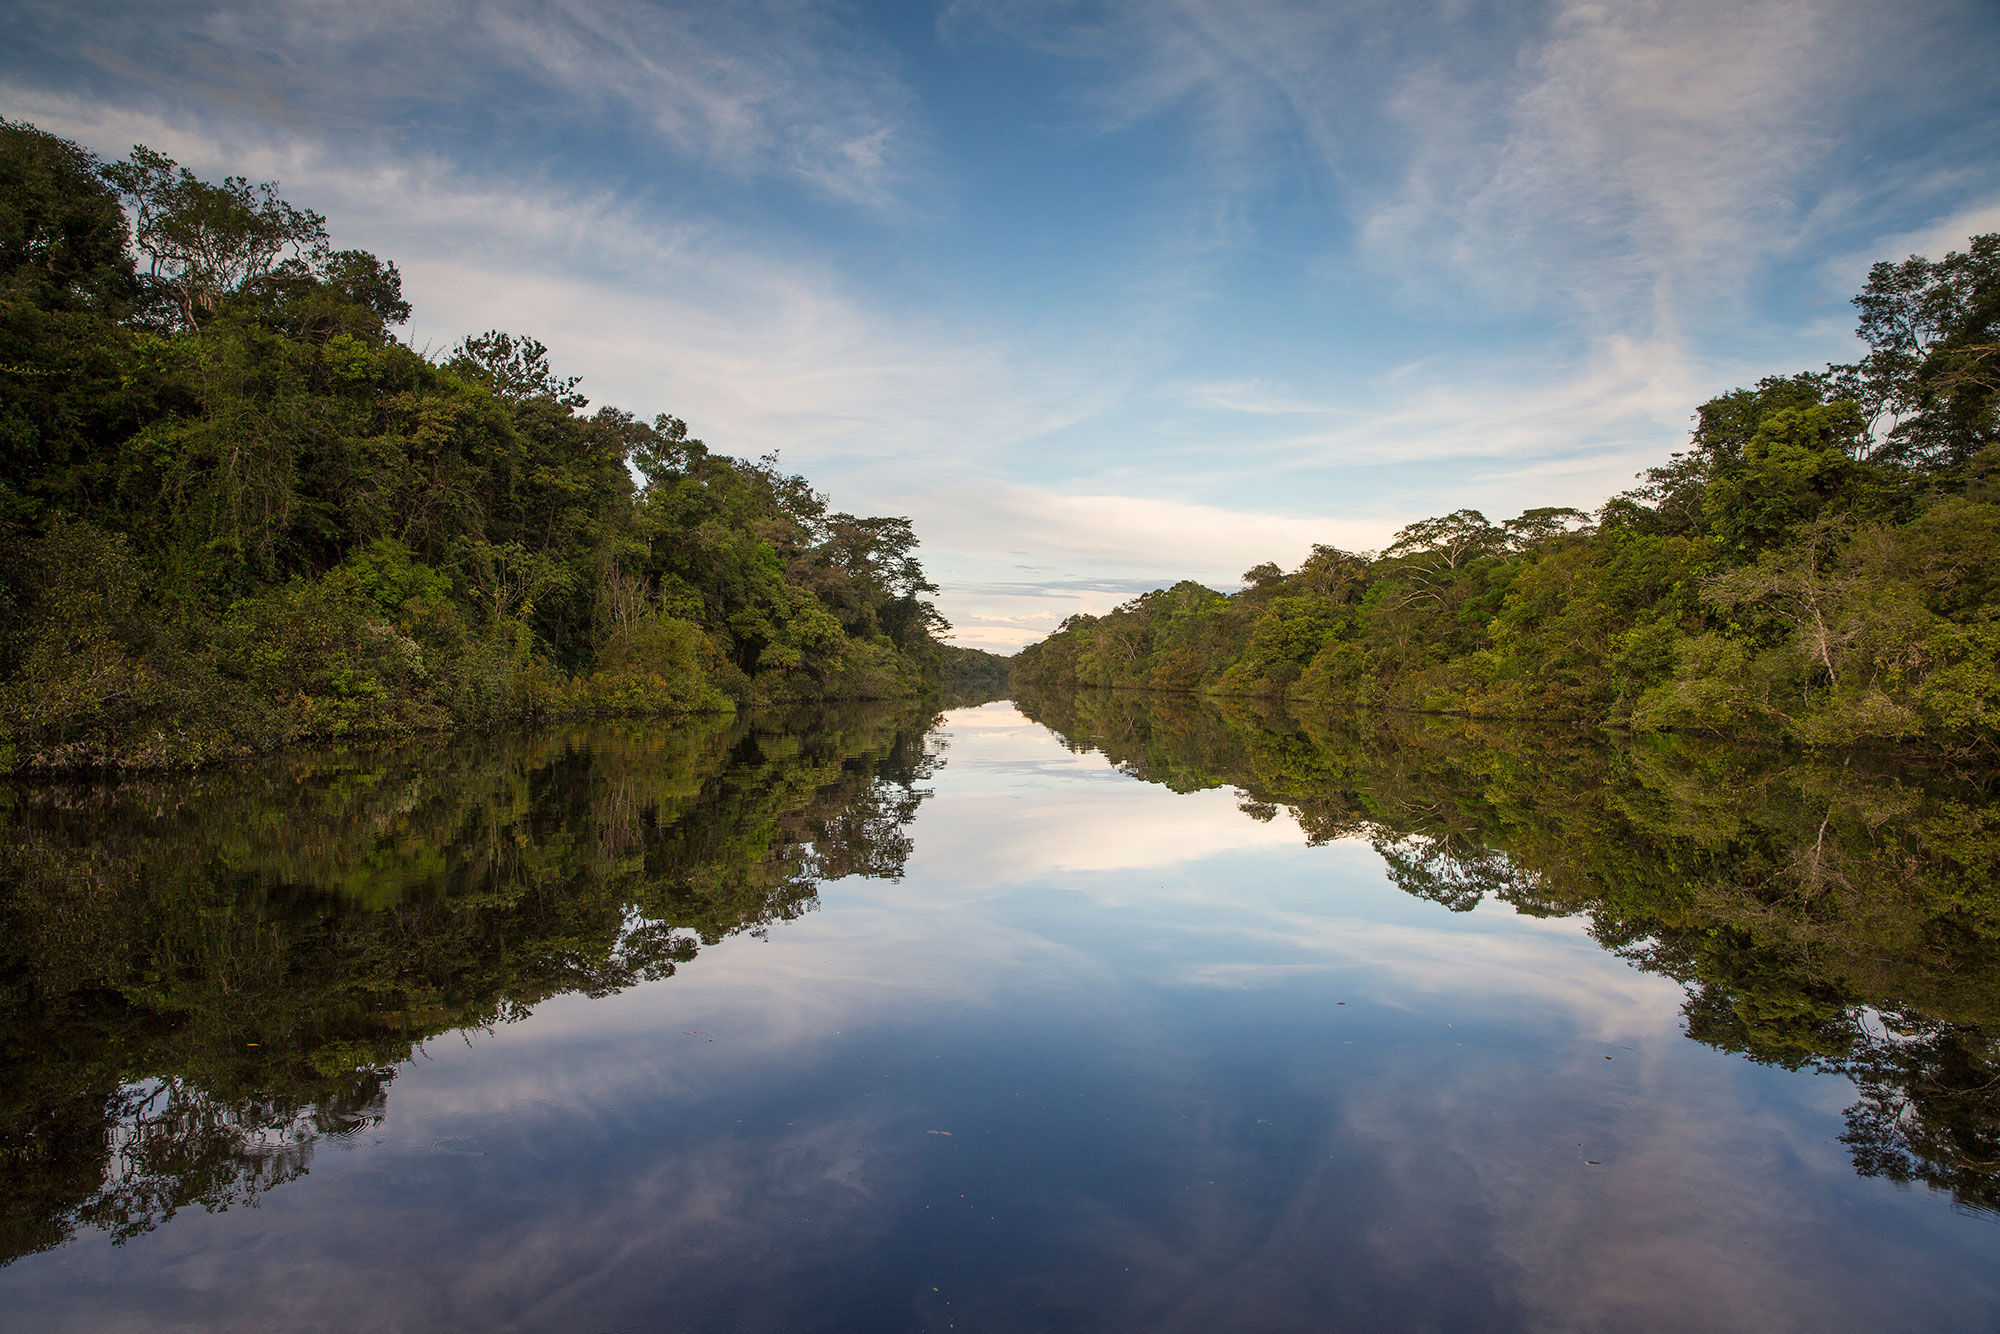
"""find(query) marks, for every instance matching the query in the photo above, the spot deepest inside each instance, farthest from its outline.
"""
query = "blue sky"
(1102, 295)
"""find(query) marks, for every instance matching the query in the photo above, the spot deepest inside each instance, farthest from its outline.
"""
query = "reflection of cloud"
(997, 717)
(1493, 961)
(666, 1225)
(1637, 1238)
(1455, 1195)
(1211, 1151)
(1095, 821)
(1116, 830)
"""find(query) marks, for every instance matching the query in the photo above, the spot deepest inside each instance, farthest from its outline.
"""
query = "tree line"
(1821, 564)
(236, 511)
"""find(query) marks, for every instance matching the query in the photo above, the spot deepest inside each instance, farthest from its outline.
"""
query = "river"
(1067, 1013)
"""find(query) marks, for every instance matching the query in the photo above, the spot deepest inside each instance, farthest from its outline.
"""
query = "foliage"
(204, 243)
(236, 512)
(1822, 564)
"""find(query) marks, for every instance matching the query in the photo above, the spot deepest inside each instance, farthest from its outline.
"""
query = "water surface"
(1150, 1017)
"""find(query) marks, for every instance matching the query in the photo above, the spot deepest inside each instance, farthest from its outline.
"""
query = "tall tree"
(203, 242)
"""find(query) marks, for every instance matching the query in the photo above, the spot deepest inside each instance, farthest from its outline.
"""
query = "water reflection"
(1838, 915)
(201, 978)
(1023, 1044)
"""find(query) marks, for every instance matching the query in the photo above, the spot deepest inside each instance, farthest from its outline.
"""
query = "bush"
(654, 664)
(105, 680)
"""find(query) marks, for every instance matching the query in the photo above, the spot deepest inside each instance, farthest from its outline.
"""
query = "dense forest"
(203, 976)
(1822, 564)
(236, 511)
(1822, 913)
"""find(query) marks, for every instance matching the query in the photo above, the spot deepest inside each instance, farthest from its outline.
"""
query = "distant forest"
(236, 511)
(1821, 565)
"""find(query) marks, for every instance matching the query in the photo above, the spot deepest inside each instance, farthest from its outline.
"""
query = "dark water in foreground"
(1165, 1019)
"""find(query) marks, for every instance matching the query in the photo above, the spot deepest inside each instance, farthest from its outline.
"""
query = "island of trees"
(237, 512)
(1822, 565)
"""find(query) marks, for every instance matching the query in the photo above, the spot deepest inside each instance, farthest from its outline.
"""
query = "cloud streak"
(779, 89)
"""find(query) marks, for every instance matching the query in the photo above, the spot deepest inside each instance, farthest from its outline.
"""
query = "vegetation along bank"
(236, 512)
(1822, 565)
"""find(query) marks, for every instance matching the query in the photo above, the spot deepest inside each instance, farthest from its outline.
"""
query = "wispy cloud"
(1621, 392)
(1935, 239)
(1639, 156)
(1624, 161)
(781, 88)
(664, 311)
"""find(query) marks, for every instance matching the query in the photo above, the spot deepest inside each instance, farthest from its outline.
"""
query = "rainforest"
(236, 512)
(1821, 565)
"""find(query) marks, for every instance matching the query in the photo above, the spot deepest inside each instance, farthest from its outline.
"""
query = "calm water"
(1161, 1019)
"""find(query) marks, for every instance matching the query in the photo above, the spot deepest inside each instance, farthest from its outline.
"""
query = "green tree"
(62, 232)
(1929, 381)
(320, 532)
(204, 243)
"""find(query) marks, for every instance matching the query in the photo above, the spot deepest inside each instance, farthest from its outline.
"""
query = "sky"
(1103, 294)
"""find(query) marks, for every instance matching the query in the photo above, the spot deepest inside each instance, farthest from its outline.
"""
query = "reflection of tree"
(202, 978)
(1831, 915)
(172, 1144)
(1445, 869)
(1929, 1108)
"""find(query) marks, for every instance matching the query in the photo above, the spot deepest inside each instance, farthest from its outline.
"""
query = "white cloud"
(777, 89)
(1094, 550)
(1624, 165)
(1623, 386)
(759, 349)
(1933, 241)
(1640, 158)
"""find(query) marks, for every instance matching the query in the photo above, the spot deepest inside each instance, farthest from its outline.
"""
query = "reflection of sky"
(1195, 1075)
